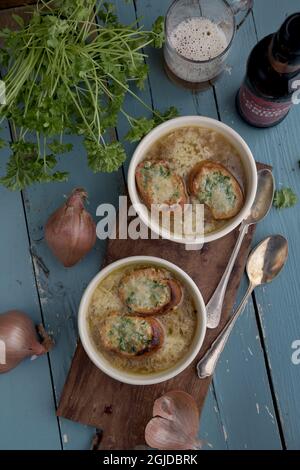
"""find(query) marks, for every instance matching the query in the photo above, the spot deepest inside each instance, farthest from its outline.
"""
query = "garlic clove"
(178, 406)
(175, 423)
(163, 434)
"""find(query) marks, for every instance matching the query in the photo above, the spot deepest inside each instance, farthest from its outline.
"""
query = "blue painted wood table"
(254, 399)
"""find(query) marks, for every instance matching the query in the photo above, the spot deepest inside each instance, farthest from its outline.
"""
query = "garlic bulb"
(71, 232)
(175, 423)
(18, 340)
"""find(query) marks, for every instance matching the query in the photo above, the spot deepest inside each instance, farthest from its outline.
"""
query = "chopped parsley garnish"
(130, 298)
(130, 336)
(284, 198)
(164, 172)
(122, 344)
(146, 175)
(217, 181)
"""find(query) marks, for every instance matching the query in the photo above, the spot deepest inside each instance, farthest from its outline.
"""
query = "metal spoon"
(260, 208)
(264, 264)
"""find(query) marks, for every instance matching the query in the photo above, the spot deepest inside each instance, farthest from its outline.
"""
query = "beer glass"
(217, 30)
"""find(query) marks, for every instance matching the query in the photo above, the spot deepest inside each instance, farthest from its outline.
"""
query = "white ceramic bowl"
(231, 136)
(132, 378)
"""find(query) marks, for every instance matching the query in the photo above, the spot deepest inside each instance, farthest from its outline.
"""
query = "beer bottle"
(273, 76)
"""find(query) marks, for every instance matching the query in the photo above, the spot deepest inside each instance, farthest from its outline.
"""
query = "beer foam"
(198, 38)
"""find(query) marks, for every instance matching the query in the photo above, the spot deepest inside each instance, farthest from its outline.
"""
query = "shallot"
(71, 232)
(18, 339)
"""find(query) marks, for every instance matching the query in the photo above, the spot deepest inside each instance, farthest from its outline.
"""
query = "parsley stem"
(127, 89)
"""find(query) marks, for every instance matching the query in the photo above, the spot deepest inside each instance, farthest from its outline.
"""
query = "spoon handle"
(215, 304)
(207, 364)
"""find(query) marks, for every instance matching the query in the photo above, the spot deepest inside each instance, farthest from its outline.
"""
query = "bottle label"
(261, 112)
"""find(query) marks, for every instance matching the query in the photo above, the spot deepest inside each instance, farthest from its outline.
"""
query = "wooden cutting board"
(120, 410)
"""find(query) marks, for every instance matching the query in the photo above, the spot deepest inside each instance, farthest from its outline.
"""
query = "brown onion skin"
(70, 231)
(18, 332)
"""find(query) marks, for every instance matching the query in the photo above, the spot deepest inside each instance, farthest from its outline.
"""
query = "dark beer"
(266, 95)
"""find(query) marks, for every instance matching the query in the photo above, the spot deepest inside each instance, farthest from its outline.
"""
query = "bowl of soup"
(198, 175)
(142, 320)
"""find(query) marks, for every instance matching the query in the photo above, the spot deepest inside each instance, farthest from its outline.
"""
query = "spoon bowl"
(264, 197)
(267, 260)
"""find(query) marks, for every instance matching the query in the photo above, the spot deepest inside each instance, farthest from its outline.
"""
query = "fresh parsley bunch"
(67, 72)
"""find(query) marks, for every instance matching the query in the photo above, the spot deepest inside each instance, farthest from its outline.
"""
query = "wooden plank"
(127, 15)
(60, 289)
(27, 407)
(237, 362)
(212, 428)
(203, 103)
(244, 350)
(211, 425)
(278, 305)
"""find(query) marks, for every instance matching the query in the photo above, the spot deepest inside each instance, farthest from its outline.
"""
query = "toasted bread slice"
(147, 291)
(176, 294)
(216, 187)
(131, 336)
(159, 185)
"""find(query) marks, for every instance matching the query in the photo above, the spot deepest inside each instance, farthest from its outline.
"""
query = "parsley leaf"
(170, 113)
(158, 30)
(284, 198)
(140, 127)
(107, 14)
(108, 158)
(25, 167)
(58, 147)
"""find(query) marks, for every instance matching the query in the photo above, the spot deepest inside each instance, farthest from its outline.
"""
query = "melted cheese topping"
(164, 190)
(216, 191)
(179, 326)
(161, 184)
(126, 334)
(145, 290)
